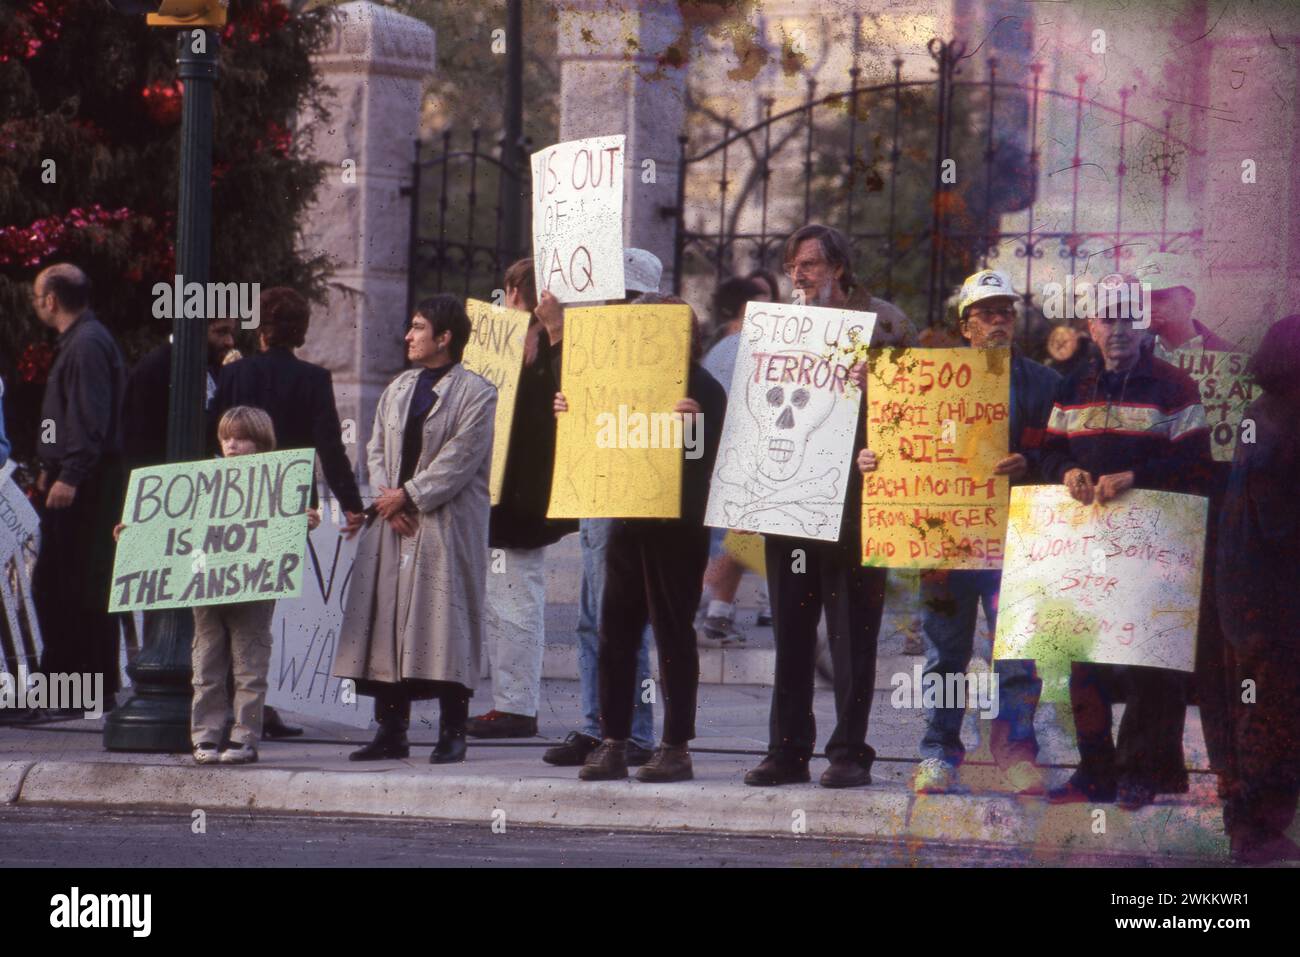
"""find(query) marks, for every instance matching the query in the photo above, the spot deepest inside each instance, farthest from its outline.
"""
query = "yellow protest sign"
(496, 352)
(748, 549)
(937, 420)
(1226, 391)
(619, 447)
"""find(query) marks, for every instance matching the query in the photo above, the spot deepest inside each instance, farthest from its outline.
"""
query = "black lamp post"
(157, 717)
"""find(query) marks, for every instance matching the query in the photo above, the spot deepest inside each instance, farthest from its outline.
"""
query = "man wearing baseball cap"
(642, 273)
(1172, 302)
(950, 599)
(1134, 422)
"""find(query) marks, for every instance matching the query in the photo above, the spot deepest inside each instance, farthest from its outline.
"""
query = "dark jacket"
(1149, 422)
(299, 397)
(1033, 392)
(519, 519)
(147, 405)
(83, 402)
(1258, 554)
(698, 472)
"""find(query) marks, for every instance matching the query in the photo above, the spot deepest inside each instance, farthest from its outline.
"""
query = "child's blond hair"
(247, 422)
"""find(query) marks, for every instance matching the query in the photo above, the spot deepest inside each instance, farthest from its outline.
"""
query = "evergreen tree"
(90, 109)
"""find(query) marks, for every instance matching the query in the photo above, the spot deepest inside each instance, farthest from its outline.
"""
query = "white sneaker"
(205, 753)
(239, 754)
(935, 776)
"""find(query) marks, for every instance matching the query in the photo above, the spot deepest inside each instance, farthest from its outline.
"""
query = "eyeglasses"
(988, 315)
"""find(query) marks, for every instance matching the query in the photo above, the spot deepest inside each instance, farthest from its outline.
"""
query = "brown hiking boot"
(773, 771)
(671, 762)
(607, 763)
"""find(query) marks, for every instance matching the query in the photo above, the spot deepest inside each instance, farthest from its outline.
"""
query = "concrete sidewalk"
(63, 763)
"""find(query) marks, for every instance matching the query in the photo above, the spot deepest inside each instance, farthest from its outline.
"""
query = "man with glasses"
(806, 576)
(1134, 422)
(81, 482)
(950, 599)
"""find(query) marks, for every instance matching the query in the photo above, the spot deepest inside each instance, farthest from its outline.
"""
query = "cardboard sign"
(496, 352)
(18, 520)
(1118, 583)
(937, 420)
(1226, 391)
(749, 550)
(783, 464)
(20, 633)
(214, 532)
(619, 448)
(578, 219)
(306, 629)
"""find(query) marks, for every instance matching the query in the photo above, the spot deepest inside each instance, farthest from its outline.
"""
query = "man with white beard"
(806, 576)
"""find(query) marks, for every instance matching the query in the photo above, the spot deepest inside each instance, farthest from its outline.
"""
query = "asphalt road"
(68, 837)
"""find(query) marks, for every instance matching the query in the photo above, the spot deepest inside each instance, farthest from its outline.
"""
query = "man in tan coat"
(413, 626)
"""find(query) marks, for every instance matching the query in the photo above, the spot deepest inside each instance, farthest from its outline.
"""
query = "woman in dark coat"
(1259, 604)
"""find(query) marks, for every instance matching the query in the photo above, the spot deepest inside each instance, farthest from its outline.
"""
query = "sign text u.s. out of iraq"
(214, 532)
(578, 219)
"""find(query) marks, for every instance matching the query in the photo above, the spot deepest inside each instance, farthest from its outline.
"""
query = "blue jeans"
(593, 535)
(950, 604)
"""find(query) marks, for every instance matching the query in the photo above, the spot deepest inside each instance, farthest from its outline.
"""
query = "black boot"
(390, 743)
(273, 726)
(452, 720)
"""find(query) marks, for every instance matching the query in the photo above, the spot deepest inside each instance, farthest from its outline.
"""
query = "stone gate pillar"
(623, 70)
(374, 65)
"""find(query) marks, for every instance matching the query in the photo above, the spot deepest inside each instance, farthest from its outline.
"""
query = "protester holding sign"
(951, 598)
(1259, 604)
(654, 573)
(234, 636)
(806, 575)
(642, 272)
(413, 626)
(1210, 360)
(519, 531)
(1135, 422)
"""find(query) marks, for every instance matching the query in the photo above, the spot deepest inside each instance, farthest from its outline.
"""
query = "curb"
(1180, 830)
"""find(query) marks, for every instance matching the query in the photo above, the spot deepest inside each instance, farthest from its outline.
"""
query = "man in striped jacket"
(1135, 421)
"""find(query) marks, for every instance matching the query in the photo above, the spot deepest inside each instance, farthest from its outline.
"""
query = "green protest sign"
(214, 532)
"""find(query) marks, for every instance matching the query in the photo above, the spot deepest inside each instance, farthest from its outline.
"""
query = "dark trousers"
(1262, 798)
(70, 585)
(653, 572)
(393, 702)
(1214, 679)
(803, 578)
(1149, 749)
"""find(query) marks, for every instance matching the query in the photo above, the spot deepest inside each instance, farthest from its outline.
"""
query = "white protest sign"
(1118, 583)
(783, 463)
(18, 520)
(305, 632)
(578, 219)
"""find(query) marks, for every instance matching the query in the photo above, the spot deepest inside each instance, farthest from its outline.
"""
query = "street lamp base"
(157, 716)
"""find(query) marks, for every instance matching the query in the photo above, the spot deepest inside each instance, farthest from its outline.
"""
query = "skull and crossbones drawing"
(786, 415)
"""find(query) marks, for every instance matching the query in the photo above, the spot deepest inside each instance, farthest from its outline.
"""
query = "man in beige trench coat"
(413, 625)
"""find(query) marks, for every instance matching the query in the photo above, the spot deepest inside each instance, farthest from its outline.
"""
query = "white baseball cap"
(985, 284)
(1163, 271)
(642, 271)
